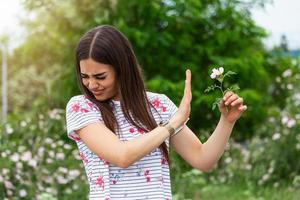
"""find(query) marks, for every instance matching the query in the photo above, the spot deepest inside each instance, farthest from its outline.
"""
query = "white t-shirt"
(148, 178)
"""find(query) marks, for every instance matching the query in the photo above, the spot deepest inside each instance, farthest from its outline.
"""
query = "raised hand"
(232, 106)
(184, 108)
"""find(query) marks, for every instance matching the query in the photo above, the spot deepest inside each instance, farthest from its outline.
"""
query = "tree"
(168, 36)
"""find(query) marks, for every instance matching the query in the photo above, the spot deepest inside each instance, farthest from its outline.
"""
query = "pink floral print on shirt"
(77, 108)
(83, 158)
(158, 104)
(147, 175)
(100, 182)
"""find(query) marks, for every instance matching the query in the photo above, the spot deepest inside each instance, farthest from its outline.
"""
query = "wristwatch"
(168, 127)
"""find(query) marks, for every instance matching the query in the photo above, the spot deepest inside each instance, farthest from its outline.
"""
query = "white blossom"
(284, 119)
(26, 156)
(74, 173)
(60, 156)
(32, 163)
(287, 73)
(216, 72)
(8, 185)
(228, 160)
(63, 170)
(22, 193)
(61, 180)
(9, 129)
(276, 136)
(23, 123)
(15, 157)
(291, 123)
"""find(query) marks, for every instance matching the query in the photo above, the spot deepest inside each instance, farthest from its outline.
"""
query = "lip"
(98, 92)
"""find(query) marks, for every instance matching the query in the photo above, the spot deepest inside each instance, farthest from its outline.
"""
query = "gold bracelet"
(170, 129)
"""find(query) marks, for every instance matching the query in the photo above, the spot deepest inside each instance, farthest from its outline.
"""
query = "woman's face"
(100, 79)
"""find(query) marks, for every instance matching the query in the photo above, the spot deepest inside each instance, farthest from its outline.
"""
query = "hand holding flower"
(230, 105)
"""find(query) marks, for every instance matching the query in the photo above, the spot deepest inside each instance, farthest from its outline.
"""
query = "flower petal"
(221, 70)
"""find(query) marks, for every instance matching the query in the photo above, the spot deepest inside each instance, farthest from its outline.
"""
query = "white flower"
(284, 120)
(216, 72)
(289, 86)
(8, 185)
(23, 193)
(287, 73)
(67, 146)
(9, 129)
(48, 140)
(276, 136)
(51, 154)
(41, 151)
(265, 177)
(61, 180)
(63, 170)
(15, 157)
(228, 160)
(5, 171)
(23, 123)
(60, 156)
(74, 173)
(26, 156)
(32, 163)
(291, 123)
(49, 180)
(9, 193)
(248, 167)
(49, 160)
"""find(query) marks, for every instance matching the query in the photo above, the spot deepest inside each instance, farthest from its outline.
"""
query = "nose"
(93, 84)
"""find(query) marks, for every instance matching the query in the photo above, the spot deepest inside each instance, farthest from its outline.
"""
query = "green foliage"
(168, 37)
(36, 162)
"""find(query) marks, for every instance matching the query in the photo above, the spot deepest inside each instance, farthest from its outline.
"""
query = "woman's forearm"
(141, 146)
(214, 147)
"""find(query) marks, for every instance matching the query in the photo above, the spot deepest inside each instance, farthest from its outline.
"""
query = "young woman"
(123, 133)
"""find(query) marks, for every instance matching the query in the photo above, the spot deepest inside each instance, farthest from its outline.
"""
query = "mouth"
(97, 93)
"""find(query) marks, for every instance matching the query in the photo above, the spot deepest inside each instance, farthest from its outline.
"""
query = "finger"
(227, 95)
(231, 99)
(237, 101)
(243, 108)
(187, 89)
(222, 104)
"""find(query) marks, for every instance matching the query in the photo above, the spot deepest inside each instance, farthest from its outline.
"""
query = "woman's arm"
(106, 144)
(205, 156)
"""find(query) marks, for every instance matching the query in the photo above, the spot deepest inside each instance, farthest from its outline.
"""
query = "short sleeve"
(80, 112)
(170, 107)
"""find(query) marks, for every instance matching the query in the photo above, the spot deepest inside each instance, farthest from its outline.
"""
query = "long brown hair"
(105, 44)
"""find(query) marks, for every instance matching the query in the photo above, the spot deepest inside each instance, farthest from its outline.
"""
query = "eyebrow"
(99, 74)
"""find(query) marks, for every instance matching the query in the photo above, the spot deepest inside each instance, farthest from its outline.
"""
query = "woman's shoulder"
(153, 96)
(80, 102)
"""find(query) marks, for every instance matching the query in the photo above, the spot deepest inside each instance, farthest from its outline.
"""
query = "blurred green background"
(38, 161)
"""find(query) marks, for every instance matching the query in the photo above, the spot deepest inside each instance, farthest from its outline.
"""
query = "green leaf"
(216, 103)
(229, 73)
(210, 88)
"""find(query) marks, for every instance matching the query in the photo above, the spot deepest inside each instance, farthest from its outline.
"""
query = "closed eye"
(100, 78)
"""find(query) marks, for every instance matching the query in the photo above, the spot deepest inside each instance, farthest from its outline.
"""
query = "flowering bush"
(37, 162)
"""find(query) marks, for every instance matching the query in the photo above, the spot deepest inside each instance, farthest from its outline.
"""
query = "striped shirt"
(148, 178)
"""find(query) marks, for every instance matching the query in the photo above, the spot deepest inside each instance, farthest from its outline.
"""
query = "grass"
(242, 192)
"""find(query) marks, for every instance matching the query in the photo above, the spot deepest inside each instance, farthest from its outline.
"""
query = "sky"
(277, 18)
(281, 17)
